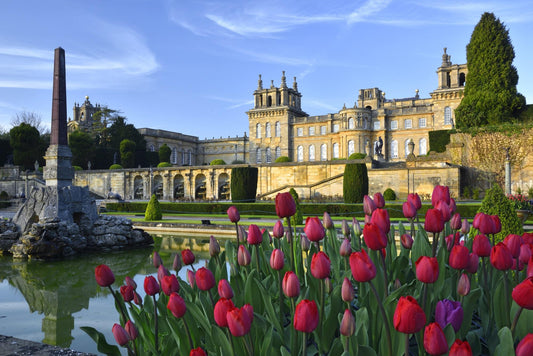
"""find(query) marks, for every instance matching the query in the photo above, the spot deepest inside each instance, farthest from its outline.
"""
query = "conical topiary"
(496, 203)
(153, 210)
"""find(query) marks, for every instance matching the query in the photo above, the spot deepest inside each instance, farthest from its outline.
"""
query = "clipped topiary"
(153, 210)
(357, 155)
(164, 164)
(243, 184)
(116, 166)
(217, 162)
(4, 195)
(389, 194)
(496, 203)
(282, 159)
(355, 183)
(77, 168)
(298, 218)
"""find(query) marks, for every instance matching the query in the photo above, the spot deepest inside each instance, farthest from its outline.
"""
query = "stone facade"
(82, 116)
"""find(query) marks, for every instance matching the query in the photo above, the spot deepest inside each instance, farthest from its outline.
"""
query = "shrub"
(217, 162)
(389, 194)
(116, 166)
(496, 203)
(357, 155)
(475, 194)
(467, 193)
(77, 168)
(530, 193)
(438, 140)
(4, 195)
(282, 159)
(153, 210)
(355, 182)
(164, 153)
(164, 164)
(243, 184)
(298, 218)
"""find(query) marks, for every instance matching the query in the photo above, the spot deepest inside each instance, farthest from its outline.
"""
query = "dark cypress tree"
(490, 95)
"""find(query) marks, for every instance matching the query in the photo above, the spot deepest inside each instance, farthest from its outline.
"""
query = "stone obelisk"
(58, 171)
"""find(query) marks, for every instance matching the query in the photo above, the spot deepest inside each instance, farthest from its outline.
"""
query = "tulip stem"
(304, 344)
(122, 311)
(322, 293)
(384, 315)
(424, 297)
(280, 298)
(406, 344)
(293, 330)
(412, 227)
(507, 302)
(257, 260)
(290, 238)
(237, 232)
(249, 345)
(386, 280)
(188, 333)
(156, 332)
(435, 243)
(231, 340)
(515, 320)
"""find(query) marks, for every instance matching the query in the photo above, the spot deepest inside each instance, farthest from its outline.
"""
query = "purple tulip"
(449, 312)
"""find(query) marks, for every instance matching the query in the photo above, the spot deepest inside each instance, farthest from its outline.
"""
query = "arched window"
(190, 157)
(447, 115)
(300, 154)
(323, 152)
(394, 149)
(269, 100)
(258, 131)
(258, 155)
(268, 155)
(278, 152)
(422, 147)
(311, 153)
(351, 147)
(174, 156)
(335, 150)
(267, 129)
(462, 79)
(351, 124)
(278, 129)
(406, 145)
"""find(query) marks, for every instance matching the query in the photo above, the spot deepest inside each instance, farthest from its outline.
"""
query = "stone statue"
(378, 147)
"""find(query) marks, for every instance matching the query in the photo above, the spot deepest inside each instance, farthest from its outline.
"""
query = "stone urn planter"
(522, 215)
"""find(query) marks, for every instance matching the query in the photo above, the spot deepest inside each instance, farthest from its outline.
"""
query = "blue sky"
(191, 66)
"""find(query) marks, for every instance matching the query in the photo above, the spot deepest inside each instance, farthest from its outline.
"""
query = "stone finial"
(283, 80)
(272, 84)
(259, 83)
(294, 84)
(446, 59)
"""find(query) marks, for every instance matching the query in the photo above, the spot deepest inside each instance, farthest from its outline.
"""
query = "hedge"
(243, 184)
(438, 140)
(355, 182)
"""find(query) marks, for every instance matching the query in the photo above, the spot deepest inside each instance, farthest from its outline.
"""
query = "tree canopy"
(490, 95)
(82, 146)
(25, 141)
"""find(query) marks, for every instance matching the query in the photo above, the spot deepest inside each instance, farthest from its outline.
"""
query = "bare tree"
(30, 118)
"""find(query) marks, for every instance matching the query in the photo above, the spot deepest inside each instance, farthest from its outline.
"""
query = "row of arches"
(394, 150)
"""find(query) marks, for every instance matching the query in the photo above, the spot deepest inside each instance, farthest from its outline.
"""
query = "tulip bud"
(243, 256)
(455, 222)
(240, 320)
(285, 205)
(407, 241)
(345, 229)
(513, 243)
(156, 259)
(347, 324)
(414, 199)
(380, 217)
(130, 282)
(320, 265)
(131, 330)
(224, 289)
(356, 227)
(176, 264)
(327, 284)
(127, 293)
(500, 257)
(233, 214)
(440, 193)
(473, 263)
(444, 209)
(176, 305)
(525, 346)
(151, 287)
(121, 336)
(221, 309)
(214, 247)
(525, 252)
(449, 312)
(459, 257)
(347, 291)
(379, 200)
(197, 352)
(278, 230)
(162, 272)
(205, 280)
(409, 210)
(190, 278)
(465, 227)
(463, 286)
(242, 235)
(362, 267)
(169, 284)
(460, 348)
(368, 205)
(137, 299)
(306, 316)
(397, 284)
(326, 221)
(291, 285)
(305, 243)
(255, 237)
(434, 340)
(277, 259)
(104, 276)
(187, 257)
(434, 221)
(346, 249)
(313, 229)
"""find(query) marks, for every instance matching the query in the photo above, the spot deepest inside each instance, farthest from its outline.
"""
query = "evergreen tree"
(164, 153)
(490, 95)
(24, 139)
(127, 153)
(496, 203)
(82, 147)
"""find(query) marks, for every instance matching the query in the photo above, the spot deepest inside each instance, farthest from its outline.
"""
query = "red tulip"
(440, 193)
(190, 278)
(379, 200)
(233, 214)
(525, 346)
(176, 263)
(214, 247)
(452, 240)
(277, 259)
(455, 222)
(162, 272)
(255, 237)
(368, 205)
(497, 223)
(380, 217)
(104, 276)
(452, 206)
(137, 299)
(526, 251)
(434, 340)
(427, 269)
(463, 286)
(131, 330)
(375, 238)
(484, 223)
(500, 257)
(224, 289)
(346, 249)
(204, 279)
(176, 305)
(169, 284)
(314, 229)
(151, 287)
(444, 209)
(240, 320)
(285, 205)
(409, 210)
(407, 241)
(243, 256)
(363, 269)
(527, 237)
(481, 246)
(523, 294)
(306, 316)
(465, 227)
(320, 265)
(326, 221)
(460, 348)
(434, 221)
(414, 199)
(513, 243)
(458, 257)
(408, 318)
(222, 307)
(291, 285)
(347, 324)
(127, 293)
(130, 282)
(347, 291)
(187, 257)
(121, 335)
(473, 263)
(241, 235)
(156, 259)
(278, 231)
(197, 352)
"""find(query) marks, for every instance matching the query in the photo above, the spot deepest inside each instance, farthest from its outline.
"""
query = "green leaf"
(469, 304)
(101, 342)
(450, 334)
(506, 346)
(366, 351)
(525, 322)
(501, 313)
(221, 340)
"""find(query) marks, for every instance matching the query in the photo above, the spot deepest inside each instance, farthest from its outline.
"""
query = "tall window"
(323, 152)
(312, 153)
(422, 122)
(258, 155)
(394, 125)
(278, 129)
(322, 130)
(174, 155)
(312, 131)
(258, 131)
(408, 124)
(447, 115)
(336, 128)
(422, 146)
(300, 154)
(278, 152)
(376, 125)
(351, 147)
(351, 124)
(267, 129)
(394, 149)
(299, 131)
(268, 155)
(335, 150)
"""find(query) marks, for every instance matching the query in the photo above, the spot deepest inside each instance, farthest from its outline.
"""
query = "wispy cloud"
(315, 103)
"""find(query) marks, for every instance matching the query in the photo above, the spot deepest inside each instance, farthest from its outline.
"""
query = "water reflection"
(59, 289)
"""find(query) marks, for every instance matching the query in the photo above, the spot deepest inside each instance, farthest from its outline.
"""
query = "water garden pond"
(49, 301)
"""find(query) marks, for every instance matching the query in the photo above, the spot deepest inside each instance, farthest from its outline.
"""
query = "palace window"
(174, 155)
(312, 131)
(394, 149)
(258, 155)
(351, 124)
(376, 125)
(422, 147)
(351, 147)
(258, 131)
(267, 129)
(335, 150)
(300, 154)
(406, 144)
(322, 130)
(299, 131)
(323, 152)
(394, 125)
(408, 124)
(312, 153)
(422, 122)
(447, 115)
(336, 128)
(268, 155)
(278, 153)
(278, 129)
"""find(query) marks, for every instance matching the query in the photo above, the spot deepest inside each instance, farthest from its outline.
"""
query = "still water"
(49, 301)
